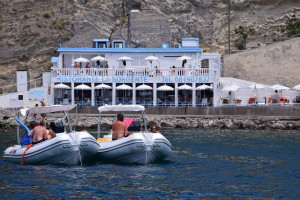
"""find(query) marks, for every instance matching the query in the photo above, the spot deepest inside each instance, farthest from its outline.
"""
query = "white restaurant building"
(147, 76)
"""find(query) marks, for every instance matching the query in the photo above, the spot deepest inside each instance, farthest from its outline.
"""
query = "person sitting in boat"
(39, 133)
(119, 128)
(154, 129)
(51, 134)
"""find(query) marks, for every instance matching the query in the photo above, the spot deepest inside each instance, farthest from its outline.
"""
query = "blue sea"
(205, 164)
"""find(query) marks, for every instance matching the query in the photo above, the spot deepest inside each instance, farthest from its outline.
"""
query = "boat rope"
(23, 157)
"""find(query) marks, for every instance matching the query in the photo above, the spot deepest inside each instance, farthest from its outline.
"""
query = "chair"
(204, 102)
(251, 100)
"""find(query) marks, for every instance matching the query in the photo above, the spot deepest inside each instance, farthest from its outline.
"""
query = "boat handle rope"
(23, 157)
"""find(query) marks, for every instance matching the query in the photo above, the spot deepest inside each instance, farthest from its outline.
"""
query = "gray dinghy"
(71, 148)
(142, 147)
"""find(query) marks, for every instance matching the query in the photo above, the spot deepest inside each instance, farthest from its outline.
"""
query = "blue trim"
(54, 59)
(101, 40)
(131, 50)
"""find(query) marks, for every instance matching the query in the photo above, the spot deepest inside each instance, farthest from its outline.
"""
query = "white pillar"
(133, 93)
(113, 94)
(154, 94)
(176, 94)
(93, 95)
(194, 97)
(72, 93)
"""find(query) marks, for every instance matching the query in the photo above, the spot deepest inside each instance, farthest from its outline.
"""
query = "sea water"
(205, 164)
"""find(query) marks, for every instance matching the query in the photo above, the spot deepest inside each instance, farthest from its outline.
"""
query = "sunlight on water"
(209, 164)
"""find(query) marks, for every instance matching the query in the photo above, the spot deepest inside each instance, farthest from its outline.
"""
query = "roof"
(120, 107)
(130, 50)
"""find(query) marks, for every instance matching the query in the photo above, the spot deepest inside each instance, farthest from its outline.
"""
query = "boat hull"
(139, 148)
(69, 149)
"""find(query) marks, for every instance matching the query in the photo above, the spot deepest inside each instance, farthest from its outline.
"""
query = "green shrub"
(58, 23)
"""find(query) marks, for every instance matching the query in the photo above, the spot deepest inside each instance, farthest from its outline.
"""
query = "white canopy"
(100, 58)
(82, 87)
(184, 58)
(231, 88)
(46, 109)
(120, 107)
(279, 87)
(125, 58)
(151, 58)
(81, 59)
(256, 86)
(143, 87)
(296, 87)
(61, 86)
(165, 88)
(204, 87)
(124, 87)
(103, 86)
(185, 87)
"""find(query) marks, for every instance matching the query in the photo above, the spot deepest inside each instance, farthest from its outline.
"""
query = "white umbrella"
(100, 58)
(61, 86)
(165, 88)
(184, 58)
(102, 86)
(279, 87)
(82, 87)
(143, 87)
(231, 88)
(185, 87)
(81, 59)
(256, 86)
(151, 58)
(124, 87)
(125, 58)
(296, 87)
(204, 87)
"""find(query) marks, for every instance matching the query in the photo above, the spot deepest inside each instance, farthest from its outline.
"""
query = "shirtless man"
(39, 133)
(119, 128)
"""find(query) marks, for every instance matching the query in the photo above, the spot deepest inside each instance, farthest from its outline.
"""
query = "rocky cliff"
(31, 30)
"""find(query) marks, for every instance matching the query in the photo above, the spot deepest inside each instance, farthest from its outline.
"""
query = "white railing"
(130, 72)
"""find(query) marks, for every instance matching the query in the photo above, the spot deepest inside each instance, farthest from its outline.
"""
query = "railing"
(129, 72)
(13, 87)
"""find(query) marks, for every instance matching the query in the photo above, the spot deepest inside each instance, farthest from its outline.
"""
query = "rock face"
(31, 30)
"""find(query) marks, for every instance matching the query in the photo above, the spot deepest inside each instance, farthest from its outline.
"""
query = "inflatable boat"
(68, 147)
(141, 147)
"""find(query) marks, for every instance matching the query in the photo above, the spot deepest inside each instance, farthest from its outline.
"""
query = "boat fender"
(23, 157)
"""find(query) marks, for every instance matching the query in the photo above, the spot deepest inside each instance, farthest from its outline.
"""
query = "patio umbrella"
(165, 88)
(151, 58)
(82, 87)
(124, 59)
(100, 58)
(279, 87)
(81, 59)
(124, 87)
(143, 87)
(185, 87)
(184, 59)
(102, 86)
(61, 86)
(256, 86)
(231, 88)
(296, 87)
(204, 87)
